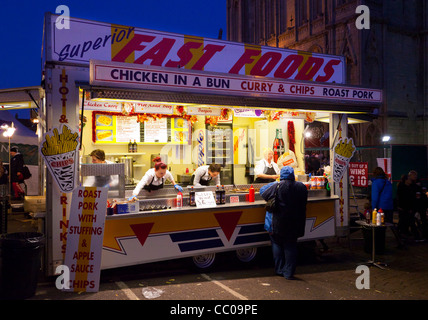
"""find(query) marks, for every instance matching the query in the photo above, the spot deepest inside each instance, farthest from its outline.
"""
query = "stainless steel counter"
(162, 202)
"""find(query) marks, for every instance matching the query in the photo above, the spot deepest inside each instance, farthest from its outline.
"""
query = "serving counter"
(161, 231)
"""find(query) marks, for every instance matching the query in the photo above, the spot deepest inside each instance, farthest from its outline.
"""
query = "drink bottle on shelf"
(192, 201)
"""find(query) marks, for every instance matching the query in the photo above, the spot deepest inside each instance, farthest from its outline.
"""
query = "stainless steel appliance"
(87, 159)
(129, 169)
(105, 175)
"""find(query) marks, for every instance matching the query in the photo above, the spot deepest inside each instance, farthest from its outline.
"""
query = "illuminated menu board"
(121, 129)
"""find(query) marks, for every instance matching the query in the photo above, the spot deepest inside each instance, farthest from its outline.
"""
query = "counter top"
(187, 209)
(372, 225)
(169, 191)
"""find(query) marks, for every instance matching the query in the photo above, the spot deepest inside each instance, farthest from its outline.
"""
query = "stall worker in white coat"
(205, 174)
(266, 170)
(154, 179)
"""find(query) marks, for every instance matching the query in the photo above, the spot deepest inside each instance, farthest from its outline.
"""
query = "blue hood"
(287, 173)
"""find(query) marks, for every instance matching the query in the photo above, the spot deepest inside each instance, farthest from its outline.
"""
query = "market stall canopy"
(21, 98)
(22, 135)
(24, 138)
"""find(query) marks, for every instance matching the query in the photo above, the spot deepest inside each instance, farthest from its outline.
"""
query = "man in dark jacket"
(288, 220)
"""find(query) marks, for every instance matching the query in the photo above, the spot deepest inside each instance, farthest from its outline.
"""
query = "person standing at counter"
(266, 170)
(204, 174)
(98, 156)
(288, 220)
(155, 178)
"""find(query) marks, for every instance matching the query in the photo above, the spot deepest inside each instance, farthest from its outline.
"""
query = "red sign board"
(358, 173)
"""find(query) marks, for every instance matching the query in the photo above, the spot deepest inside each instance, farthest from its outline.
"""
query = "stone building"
(392, 54)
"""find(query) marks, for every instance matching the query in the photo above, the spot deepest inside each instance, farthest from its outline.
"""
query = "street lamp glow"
(386, 138)
(306, 132)
(8, 131)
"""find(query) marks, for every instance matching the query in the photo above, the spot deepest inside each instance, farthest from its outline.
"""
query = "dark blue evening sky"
(21, 27)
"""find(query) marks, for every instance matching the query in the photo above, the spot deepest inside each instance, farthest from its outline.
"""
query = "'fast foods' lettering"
(130, 45)
(285, 68)
(158, 53)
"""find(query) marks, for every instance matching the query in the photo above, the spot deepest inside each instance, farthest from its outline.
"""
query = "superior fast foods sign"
(135, 76)
(86, 40)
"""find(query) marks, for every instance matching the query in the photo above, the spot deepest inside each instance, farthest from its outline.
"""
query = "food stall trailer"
(168, 94)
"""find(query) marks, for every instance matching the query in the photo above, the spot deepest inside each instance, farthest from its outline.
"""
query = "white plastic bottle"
(378, 219)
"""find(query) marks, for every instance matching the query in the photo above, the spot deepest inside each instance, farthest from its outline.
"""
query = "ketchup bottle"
(179, 199)
(251, 196)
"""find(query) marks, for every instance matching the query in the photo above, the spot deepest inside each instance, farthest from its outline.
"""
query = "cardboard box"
(128, 207)
(35, 203)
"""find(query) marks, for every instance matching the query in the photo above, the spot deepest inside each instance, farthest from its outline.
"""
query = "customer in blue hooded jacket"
(382, 194)
(288, 220)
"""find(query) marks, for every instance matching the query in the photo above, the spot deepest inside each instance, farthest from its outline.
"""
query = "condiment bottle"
(368, 216)
(179, 199)
(192, 201)
(251, 196)
(217, 195)
(129, 146)
(378, 218)
(222, 195)
(382, 216)
(374, 215)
